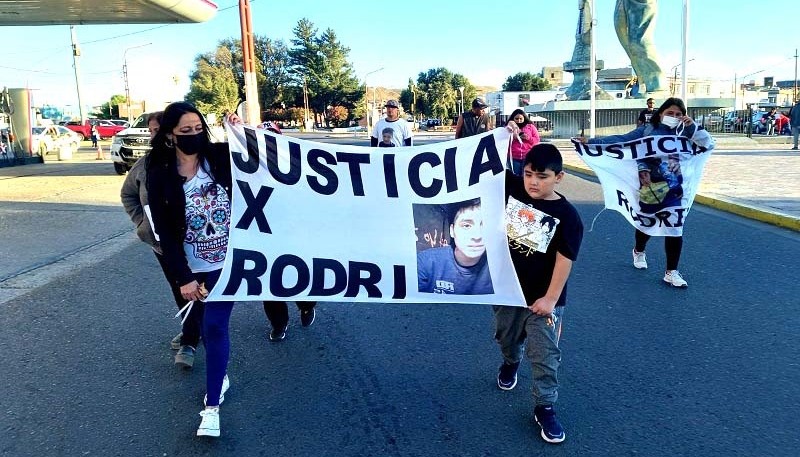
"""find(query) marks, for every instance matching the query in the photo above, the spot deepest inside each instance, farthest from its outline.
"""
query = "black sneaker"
(545, 416)
(507, 376)
(277, 334)
(307, 317)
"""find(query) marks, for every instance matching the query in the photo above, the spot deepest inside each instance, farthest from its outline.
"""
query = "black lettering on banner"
(615, 151)
(679, 212)
(255, 207)
(632, 146)
(369, 282)
(239, 273)
(249, 166)
(399, 282)
(663, 218)
(276, 276)
(493, 162)
(414, 175)
(579, 147)
(662, 144)
(315, 158)
(293, 176)
(648, 142)
(622, 200)
(319, 267)
(598, 150)
(353, 162)
(390, 176)
(450, 176)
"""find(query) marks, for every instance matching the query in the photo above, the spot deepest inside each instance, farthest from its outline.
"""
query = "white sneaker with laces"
(674, 278)
(640, 260)
(226, 384)
(209, 426)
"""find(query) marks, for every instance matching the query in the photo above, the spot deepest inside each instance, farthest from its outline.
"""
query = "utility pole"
(76, 52)
(795, 75)
(252, 111)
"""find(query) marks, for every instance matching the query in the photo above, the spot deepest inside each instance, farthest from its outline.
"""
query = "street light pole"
(366, 99)
(76, 52)
(461, 89)
(125, 75)
(684, 45)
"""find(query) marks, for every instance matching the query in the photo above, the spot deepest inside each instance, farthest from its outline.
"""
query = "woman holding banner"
(669, 119)
(189, 188)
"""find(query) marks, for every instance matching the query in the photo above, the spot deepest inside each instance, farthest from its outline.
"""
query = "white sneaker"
(640, 260)
(674, 278)
(226, 384)
(209, 426)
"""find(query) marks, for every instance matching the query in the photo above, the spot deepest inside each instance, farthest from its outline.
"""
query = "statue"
(634, 21)
(579, 65)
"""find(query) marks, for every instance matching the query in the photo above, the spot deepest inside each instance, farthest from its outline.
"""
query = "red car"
(105, 129)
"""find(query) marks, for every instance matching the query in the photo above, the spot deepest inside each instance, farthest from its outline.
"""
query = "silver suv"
(130, 144)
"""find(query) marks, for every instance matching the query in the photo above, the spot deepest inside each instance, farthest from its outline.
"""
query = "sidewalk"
(754, 178)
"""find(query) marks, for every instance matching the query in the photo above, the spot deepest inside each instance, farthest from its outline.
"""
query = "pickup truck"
(105, 129)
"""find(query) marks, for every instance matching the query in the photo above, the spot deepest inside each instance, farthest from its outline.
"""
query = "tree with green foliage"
(110, 109)
(437, 93)
(213, 87)
(525, 82)
(320, 63)
(273, 57)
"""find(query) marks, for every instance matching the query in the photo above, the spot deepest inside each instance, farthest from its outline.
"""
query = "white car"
(50, 138)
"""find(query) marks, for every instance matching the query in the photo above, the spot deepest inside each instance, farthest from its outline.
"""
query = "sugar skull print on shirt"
(529, 229)
(208, 214)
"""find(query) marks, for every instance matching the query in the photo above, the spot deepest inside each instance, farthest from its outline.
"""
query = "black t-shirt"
(645, 115)
(537, 230)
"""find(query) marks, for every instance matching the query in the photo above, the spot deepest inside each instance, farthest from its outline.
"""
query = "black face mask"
(520, 124)
(191, 144)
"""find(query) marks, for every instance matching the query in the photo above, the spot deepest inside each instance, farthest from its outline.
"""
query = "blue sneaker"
(545, 416)
(507, 376)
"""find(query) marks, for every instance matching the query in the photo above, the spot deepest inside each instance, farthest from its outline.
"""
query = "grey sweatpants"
(518, 329)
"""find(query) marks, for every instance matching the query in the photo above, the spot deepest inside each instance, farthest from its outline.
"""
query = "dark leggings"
(672, 247)
(278, 312)
(191, 326)
(216, 338)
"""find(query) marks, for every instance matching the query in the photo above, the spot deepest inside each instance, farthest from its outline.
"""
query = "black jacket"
(168, 205)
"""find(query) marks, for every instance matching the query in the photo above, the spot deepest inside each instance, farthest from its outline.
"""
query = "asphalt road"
(648, 370)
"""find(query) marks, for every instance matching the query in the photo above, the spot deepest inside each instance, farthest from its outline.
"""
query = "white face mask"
(670, 121)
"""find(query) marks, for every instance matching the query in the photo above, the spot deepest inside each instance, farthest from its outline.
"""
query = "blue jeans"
(517, 329)
(516, 166)
(216, 338)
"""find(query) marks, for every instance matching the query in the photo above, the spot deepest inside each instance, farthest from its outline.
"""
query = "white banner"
(651, 181)
(330, 222)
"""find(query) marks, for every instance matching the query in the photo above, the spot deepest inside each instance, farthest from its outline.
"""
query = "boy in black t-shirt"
(544, 237)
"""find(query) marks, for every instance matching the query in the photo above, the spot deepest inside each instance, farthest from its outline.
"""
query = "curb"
(746, 211)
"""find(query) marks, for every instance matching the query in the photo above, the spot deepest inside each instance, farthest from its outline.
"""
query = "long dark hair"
(656, 119)
(520, 111)
(163, 148)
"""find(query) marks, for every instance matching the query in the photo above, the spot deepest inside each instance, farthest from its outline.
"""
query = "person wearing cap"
(474, 121)
(401, 131)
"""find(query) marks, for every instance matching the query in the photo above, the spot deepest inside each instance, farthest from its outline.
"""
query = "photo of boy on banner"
(460, 267)
(660, 183)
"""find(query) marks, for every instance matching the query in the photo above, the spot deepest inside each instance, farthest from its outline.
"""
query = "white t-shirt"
(208, 216)
(400, 131)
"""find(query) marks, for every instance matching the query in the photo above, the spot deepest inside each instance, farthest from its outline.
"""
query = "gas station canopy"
(57, 12)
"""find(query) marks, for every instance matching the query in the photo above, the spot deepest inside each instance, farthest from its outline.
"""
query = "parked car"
(130, 144)
(121, 122)
(48, 139)
(105, 128)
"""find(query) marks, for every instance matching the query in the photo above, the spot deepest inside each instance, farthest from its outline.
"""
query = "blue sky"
(487, 45)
